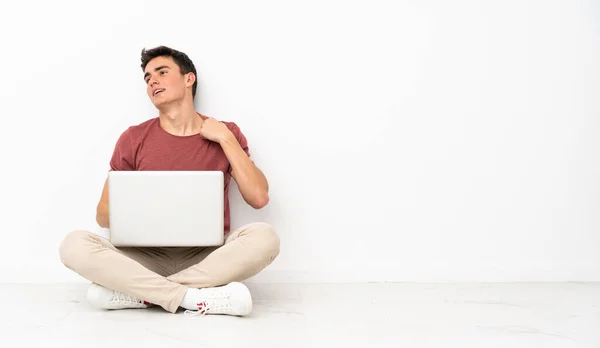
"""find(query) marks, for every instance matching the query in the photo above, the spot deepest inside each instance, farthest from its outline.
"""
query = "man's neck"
(180, 120)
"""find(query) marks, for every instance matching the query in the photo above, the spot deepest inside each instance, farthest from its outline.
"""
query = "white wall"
(404, 140)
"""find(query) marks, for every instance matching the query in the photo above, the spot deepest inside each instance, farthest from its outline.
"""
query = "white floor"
(359, 315)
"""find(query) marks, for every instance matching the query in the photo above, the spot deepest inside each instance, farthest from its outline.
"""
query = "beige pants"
(162, 276)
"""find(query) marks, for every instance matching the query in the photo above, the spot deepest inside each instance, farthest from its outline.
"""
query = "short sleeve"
(241, 138)
(122, 157)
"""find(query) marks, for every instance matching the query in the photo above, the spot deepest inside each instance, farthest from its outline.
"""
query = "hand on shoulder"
(214, 130)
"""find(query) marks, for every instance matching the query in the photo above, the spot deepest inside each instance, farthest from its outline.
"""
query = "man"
(200, 280)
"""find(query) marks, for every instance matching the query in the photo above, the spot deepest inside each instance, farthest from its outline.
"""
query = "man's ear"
(190, 79)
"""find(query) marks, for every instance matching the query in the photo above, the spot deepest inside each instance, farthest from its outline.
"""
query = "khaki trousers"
(162, 276)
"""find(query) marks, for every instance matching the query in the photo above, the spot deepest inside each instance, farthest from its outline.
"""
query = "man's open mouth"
(158, 91)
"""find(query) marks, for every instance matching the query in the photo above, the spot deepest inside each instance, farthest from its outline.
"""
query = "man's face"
(164, 81)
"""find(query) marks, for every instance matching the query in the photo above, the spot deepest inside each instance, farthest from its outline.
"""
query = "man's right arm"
(122, 159)
(102, 208)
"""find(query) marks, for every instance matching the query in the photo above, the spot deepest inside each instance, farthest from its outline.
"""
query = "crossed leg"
(158, 275)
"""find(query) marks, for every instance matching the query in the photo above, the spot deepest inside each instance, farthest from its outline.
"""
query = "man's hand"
(214, 130)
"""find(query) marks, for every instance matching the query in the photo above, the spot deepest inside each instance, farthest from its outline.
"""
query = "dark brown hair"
(181, 59)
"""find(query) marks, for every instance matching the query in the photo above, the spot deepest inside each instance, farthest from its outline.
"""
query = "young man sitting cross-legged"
(199, 280)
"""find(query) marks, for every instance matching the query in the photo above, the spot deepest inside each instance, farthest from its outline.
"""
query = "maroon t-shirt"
(148, 146)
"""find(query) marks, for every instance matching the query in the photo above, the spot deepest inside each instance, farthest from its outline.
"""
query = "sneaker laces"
(202, 309)
(126, 300)
(218, 304)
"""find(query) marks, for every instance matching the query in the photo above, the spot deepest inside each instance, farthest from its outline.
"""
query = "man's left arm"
(251, 181)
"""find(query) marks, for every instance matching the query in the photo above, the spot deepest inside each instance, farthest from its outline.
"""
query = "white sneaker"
(101, 297)
(231, 299)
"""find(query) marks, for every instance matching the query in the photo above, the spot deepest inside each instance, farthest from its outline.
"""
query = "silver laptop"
(166, 208)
